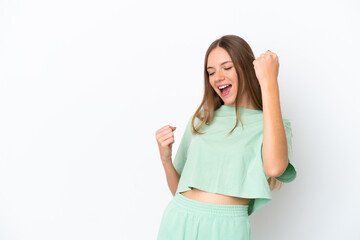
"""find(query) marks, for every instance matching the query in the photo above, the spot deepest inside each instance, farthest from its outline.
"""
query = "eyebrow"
(220, 64)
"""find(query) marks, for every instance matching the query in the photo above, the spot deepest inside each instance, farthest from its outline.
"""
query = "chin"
(228, 100)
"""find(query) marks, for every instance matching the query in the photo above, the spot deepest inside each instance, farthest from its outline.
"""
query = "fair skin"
(222, 71)
(275, 152)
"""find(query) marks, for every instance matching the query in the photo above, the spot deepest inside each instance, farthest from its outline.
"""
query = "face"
(222, 72)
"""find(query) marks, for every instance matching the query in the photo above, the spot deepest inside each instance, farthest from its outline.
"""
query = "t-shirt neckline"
(231, 109)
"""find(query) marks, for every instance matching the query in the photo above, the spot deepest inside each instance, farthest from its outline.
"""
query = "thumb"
(173, 128)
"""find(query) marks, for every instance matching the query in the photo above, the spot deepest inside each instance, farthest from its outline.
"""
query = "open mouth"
(225, 91)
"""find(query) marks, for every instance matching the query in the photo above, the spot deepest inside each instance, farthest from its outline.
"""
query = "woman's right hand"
(165, 139)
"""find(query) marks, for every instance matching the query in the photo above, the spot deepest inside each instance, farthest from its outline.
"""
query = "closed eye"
(225, 69)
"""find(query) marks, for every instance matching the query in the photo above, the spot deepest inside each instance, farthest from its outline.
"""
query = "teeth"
(222, 87)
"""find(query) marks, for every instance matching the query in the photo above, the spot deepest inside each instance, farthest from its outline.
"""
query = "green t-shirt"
(229, 165)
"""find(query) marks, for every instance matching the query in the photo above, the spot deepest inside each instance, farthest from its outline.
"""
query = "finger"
(264, 55)
(169, 140)
(166, 135)
(166, 132)
(165, 138)
(163, 128)
(268, 52)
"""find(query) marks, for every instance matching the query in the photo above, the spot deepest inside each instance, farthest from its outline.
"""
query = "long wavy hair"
(242, 57)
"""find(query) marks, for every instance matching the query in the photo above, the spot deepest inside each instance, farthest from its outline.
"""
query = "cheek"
(212, 84)
(233, 75)
(234, 79)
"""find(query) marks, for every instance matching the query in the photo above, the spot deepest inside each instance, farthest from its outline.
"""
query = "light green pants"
(189, 219)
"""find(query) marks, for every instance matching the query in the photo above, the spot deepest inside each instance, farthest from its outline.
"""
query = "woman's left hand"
(267, 68)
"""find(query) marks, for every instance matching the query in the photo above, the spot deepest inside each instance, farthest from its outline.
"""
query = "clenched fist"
(165, 139)
(267, 68)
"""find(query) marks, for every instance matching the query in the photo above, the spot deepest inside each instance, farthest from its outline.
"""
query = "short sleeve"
(290, 173)
(181, 153)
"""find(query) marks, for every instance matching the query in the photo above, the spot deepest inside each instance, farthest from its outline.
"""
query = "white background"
(84, 85)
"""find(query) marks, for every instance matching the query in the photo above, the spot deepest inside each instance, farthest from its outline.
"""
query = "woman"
(223, 172)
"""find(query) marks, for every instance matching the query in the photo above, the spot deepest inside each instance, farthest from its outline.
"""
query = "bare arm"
(275, 155)
(274, 150)
(172, 177)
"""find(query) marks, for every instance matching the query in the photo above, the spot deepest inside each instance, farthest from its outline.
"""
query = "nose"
(218, 76)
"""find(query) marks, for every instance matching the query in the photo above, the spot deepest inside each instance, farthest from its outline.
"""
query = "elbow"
(277, 171)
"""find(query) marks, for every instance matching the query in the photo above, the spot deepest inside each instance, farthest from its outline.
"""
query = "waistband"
(196, 206)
